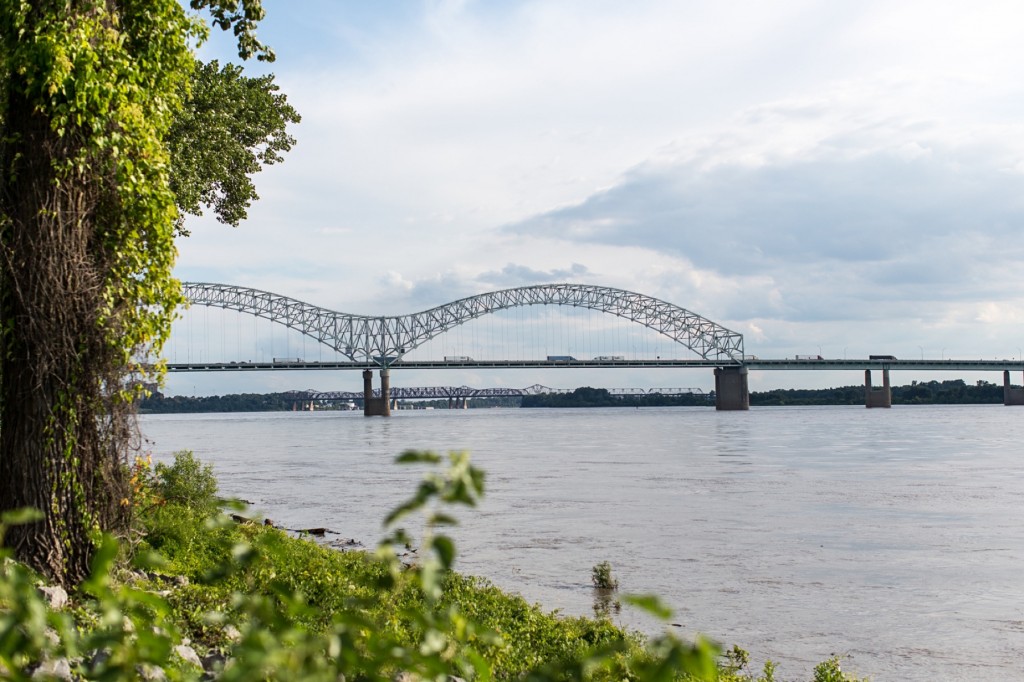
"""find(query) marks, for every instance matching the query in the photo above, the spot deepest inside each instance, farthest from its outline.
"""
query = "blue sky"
(837, 176)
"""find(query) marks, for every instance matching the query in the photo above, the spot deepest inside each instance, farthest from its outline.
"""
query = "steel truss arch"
(385, 339)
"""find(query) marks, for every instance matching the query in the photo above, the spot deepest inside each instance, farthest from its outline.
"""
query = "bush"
(601, 576)
(830, 671)
(187, 482)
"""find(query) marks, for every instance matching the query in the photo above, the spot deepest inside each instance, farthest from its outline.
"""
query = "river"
(894, 538)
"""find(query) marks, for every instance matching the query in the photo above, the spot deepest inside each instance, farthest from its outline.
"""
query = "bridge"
(383, 342)
(457, 396)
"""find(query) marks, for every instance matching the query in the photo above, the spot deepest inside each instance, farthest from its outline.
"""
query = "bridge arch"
(385, 339)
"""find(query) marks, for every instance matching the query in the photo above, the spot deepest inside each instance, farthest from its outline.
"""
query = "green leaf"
(102, 561)
(649, 603)
(17, 517)
(445, 548)
(417, 457)
(442, 519)
(149, 559)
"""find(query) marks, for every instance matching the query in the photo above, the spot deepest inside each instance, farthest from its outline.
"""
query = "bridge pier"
(377, 407)
(457, 403)
(1011, 395)
(731, 392)
(877, 397)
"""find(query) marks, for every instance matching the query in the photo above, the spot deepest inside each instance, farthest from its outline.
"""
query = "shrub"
(829, 670)
(187, 482)
(601, 576)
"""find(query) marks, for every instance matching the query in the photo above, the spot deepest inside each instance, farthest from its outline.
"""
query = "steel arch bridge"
(384, 340)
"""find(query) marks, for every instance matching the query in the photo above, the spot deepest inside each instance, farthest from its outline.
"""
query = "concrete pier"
(377, 407)
(1011, 395)
(877, 397)
(731, 392)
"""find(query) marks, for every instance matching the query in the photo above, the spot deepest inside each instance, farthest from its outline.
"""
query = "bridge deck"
(761, 364)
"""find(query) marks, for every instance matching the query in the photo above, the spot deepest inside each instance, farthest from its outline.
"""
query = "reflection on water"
(892, 536)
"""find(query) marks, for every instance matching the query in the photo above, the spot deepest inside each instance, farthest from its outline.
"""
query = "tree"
(88, 94)
(229, 128)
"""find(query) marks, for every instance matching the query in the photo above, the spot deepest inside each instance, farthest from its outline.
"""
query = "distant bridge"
(442, 392)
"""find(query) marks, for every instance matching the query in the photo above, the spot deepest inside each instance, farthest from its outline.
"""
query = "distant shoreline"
(950, 392)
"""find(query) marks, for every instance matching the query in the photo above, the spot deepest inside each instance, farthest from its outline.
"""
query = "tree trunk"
(55, 363)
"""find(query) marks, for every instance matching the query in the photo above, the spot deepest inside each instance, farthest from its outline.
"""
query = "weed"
(830, 670)
(601, 576)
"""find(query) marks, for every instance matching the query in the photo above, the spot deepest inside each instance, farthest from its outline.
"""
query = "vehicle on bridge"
(610, 357)
(280, 360)
(809, 357)
(881, 357)
(457, 358)
(561, 358)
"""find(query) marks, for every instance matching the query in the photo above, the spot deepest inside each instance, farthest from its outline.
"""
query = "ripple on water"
(796, 533)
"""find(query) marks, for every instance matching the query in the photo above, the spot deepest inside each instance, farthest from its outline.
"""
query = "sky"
(834, 178)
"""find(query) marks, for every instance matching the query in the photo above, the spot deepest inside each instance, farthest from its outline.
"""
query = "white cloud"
(838, 173)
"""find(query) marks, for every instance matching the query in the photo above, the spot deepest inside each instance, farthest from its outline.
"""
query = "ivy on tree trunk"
(88, 92)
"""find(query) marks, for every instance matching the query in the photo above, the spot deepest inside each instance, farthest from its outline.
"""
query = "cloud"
(513, 275)
(842, 174)
(840, 224)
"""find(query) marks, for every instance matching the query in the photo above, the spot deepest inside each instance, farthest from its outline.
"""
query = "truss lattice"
(384, 340)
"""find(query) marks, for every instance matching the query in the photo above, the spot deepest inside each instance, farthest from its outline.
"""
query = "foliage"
(600, 397)
(187, 482)
(237, 402)
(229, 127)
(90, 109)
(601, 576)
(241, 17)
(113, 632)
(830, 670)
(87, 93)
(948, 392)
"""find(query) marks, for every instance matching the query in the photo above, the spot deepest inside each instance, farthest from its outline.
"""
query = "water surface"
(893, 537)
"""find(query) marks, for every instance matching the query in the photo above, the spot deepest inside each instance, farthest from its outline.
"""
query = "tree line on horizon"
(949, 392)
